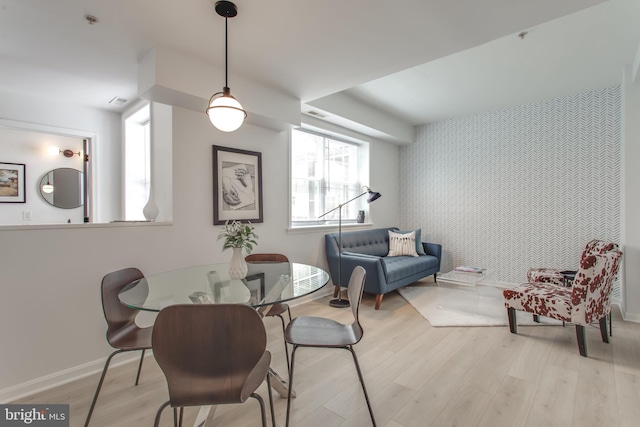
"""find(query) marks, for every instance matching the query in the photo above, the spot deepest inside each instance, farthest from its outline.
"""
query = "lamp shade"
(373, 195)
(226, 113)
(47, 188)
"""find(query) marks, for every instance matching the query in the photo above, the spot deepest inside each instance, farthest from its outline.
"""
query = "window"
(326, 172)
(137, 163)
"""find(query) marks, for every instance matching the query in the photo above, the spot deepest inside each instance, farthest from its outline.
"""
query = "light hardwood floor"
(416, 375)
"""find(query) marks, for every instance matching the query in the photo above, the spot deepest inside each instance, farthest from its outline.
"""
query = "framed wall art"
(12, 183)
(237, 185)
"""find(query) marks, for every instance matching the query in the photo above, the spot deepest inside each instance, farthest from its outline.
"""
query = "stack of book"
(467, 269)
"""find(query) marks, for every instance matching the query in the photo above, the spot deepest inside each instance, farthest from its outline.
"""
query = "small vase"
(238, 266)
(360, 217)
(150, 210)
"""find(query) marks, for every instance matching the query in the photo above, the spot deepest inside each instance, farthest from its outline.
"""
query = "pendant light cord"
(226, 52)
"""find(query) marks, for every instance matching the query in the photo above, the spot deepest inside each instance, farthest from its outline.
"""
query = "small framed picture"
(12, 183)
(237, 185)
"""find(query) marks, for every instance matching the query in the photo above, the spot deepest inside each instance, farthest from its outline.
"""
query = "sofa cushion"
(370, 242)
(398, 267)
(419, 247)
(402, 244)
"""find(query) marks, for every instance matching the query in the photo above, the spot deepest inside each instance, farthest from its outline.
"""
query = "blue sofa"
(369, 248)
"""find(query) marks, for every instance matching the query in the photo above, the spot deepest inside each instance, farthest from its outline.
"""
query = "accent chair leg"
(513, 326)
(364, 389)
(378, 301)
(536, 318)
(610, 323)
(603, 330)
(582, 340)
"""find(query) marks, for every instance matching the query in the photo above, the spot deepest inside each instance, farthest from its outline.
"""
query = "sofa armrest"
(434, 249)
(372, 265)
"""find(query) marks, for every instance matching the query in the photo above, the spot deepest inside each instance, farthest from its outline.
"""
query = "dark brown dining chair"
(122, 332)
(277, 309)
(211, 354)
(304, 331)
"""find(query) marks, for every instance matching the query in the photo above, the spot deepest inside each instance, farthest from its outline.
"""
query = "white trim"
(37, 385)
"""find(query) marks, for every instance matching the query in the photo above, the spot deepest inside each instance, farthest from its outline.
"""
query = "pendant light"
(225, 112)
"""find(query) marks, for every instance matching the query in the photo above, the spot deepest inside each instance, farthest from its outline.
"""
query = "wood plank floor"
(416, 375)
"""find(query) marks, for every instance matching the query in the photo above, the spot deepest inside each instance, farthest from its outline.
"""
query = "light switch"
(26, 215)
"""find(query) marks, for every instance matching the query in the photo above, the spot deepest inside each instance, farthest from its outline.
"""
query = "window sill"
(326, 228)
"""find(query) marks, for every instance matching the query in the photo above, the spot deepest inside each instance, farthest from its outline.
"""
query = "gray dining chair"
(320, 332)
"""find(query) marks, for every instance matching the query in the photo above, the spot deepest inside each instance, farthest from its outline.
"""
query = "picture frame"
(255, 284)
(237, 185)
(12, 183)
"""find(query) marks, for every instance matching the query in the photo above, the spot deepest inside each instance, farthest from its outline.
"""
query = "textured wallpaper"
(519, 187)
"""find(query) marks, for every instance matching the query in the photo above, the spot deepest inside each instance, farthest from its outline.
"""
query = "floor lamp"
(339, 302)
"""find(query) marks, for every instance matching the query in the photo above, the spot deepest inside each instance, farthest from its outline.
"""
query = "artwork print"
(237, 185)
(12, 183)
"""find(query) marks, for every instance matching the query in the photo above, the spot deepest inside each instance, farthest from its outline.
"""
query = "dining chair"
(122, 332)
(320, 332)
(211, 354)
(278, 309)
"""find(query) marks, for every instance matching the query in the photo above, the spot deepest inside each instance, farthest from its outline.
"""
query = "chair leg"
(289, 312)
(603, 330)
(95, 397)
(181, 416)
(610, 323)
(536, 318)
(140, 366)
(293, 358)
(513, 326)
(364, 389)
(156, 423)
(582, 340)
(273, 414)
(175, 417)
(263, 412)
(286, 349)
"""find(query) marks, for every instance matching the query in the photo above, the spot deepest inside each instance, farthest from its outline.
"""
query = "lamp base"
(339, 303)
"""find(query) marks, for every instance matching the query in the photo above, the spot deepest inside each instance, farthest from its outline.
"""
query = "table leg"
(280, 385)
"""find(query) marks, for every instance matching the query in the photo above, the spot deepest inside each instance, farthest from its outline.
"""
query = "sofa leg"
(513, 326)
(603, 330)
(378, 301)
(582, 340)
(336, 291)
(435, 277)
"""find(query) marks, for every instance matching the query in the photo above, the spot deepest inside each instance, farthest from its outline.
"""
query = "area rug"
(458, 305)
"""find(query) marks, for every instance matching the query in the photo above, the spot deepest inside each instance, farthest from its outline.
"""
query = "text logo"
(34, 415)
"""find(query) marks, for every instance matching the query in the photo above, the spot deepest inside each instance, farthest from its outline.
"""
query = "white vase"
(238, 266)
(150, 210)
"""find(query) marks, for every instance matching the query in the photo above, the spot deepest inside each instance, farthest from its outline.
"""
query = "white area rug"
(457, 305)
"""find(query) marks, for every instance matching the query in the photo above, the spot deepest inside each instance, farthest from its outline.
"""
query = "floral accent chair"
(552, 275)
(586, 302)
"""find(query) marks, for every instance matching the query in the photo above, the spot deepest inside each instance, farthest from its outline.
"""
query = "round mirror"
(62, 188)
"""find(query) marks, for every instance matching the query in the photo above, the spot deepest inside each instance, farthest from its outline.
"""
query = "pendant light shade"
(224, 111)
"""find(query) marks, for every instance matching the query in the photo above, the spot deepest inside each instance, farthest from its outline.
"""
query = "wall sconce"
(54, 151)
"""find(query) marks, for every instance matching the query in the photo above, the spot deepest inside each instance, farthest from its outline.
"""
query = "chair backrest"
(591, 290)
(596, 246)
(118, 316)
(266, 258)
(354, 292)
(207, 351)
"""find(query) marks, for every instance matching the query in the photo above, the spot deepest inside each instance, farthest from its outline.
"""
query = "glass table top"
(266, 283)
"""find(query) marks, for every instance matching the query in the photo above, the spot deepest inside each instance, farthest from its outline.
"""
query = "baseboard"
(627, 317)
(37, 385)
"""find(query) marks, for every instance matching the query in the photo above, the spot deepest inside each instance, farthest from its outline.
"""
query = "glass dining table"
(266, 283)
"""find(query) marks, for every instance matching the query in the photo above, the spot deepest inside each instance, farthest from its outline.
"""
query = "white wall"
(50, 314)
(631, 141)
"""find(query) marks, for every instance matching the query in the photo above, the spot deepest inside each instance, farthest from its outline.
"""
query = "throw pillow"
(419, 247)
(402, 244)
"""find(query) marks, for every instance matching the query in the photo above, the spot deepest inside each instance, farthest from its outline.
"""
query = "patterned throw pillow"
(419, 247)
(402, 244)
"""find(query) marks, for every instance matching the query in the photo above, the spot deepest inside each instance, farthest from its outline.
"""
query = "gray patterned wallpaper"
(519, 187)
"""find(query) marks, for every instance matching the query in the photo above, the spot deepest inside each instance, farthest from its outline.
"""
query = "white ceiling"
(417, 60)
